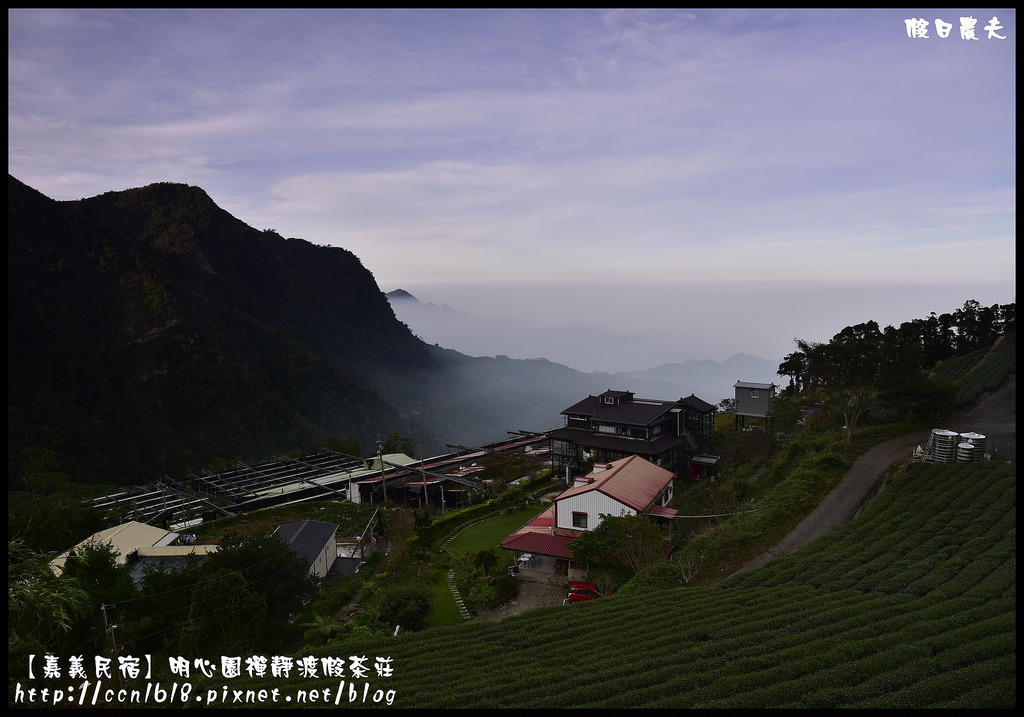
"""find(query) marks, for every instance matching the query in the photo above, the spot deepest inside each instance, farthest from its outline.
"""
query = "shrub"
(405, 605)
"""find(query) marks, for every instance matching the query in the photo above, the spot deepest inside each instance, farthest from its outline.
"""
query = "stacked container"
(971, 447)
(944, 445)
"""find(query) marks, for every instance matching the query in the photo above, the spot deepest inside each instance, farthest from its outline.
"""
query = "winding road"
(994, 417)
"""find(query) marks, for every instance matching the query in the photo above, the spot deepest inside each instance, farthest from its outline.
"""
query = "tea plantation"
(980, 371)
(909, 605)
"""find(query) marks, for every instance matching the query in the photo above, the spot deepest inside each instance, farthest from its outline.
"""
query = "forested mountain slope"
(150, 331)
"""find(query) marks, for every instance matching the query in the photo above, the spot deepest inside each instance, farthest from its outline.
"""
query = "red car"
(581, 592)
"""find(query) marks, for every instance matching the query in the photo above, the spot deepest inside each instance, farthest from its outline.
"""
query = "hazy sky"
(727, 180)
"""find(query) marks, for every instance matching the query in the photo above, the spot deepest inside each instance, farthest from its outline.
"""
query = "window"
(755, 394)
(609, 400)
(579, 520)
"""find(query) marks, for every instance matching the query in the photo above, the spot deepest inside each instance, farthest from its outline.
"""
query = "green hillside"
(912, 604)
(151, 334)
(980, 371)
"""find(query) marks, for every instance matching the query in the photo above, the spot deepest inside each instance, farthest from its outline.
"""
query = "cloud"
(561, 145)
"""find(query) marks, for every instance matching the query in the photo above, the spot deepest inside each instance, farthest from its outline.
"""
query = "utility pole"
(113, 642)
(380, 459)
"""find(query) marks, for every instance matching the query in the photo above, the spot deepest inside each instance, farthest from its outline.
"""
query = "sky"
(698, 182)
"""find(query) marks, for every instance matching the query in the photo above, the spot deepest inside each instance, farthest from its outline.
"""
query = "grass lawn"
(486, 534)
(444, 610)
(489, 533)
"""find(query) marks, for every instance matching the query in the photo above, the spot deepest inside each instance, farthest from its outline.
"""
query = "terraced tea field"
(910, 605)
(980, 371)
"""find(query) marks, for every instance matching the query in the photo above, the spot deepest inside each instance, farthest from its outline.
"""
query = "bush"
(507, 587)
(656, 577)
(405, 605)
(482, 594)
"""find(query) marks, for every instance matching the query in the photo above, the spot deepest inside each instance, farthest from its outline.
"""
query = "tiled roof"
(539, 543)
(661, 511)
(170, 551)
(542, 523)
(420, 483)
(638, 412)
(125, 538)
(536, 537)
(698, 403)
(706, 459)
(307, 537)
(748, 384)
(633, 481)
(590, 439)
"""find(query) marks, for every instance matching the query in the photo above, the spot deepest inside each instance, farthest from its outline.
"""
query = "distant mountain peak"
(401, 295)
(743, 357)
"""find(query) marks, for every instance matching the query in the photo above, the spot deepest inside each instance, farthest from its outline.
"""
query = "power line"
(719, 515)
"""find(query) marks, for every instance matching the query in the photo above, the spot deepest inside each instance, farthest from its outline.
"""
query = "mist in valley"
(539, 348)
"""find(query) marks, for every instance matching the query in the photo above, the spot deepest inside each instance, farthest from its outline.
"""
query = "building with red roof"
(629, 486)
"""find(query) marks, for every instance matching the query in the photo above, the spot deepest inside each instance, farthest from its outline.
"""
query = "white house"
(629, 486)
(314, 540)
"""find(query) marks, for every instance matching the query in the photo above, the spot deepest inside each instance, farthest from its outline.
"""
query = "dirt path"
(995, 418)
(531, 595)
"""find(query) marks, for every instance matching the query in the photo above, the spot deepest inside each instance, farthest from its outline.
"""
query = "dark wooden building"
(616, 424)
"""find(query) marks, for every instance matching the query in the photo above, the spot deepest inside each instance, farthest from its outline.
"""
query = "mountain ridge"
(152, 333)
(452, 327)
(151, 316)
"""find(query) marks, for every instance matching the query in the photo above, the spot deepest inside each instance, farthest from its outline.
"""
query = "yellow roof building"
(125, 538)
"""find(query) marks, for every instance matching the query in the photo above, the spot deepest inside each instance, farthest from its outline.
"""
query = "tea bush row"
(770, 637)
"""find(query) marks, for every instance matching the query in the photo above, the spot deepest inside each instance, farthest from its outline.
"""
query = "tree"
(323, 625)
(406, 605)
(795, 366)
(398, 534)
(785, 412)
(482, 593)
(642, 542)
(478, 495)
(864, 372)
(503, 468)
(270, 569)
(596, 545)
(227, 616)
(58, 513)
(41, 605)
(608, 577)
(348, 446)
(851, 403)
(168, 599)
(688, 567)
(921, 397)
(633, 540)
(94, 566)
(463, 567)
(855, 355)
(397, 443)
(485, 559)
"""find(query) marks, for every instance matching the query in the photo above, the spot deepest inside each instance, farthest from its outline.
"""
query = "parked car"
(581, 592)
